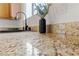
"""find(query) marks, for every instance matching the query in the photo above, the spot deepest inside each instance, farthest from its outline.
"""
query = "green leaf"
(42, 9)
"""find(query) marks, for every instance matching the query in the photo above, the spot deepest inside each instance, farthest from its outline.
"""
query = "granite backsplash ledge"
(70, 28)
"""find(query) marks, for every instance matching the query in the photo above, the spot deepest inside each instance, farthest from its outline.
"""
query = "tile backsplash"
(71, 28)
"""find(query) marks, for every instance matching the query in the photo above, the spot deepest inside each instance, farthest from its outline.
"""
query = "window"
(30, 9)
(34, 11)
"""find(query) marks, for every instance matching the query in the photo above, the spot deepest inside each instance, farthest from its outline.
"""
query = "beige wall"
(34, 20)
(59, 13)
(63, 13)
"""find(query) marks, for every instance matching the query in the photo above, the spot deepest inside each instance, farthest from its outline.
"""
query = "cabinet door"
(5, 10)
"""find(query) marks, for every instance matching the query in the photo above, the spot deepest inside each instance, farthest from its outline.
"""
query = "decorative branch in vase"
(42, 11)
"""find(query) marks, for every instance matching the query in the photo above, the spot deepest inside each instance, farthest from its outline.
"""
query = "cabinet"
(5, 10)
(9, 10)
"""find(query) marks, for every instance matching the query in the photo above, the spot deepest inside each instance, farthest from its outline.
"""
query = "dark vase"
(42, 25)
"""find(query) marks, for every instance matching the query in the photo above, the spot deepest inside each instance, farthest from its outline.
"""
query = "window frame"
(32, 10)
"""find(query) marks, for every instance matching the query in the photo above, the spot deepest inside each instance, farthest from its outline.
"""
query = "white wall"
(60, 13)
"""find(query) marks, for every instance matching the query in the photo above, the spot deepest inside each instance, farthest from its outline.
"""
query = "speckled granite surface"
(36, 44)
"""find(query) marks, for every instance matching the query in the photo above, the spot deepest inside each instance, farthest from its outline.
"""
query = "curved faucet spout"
(24, 17)
(20, 13)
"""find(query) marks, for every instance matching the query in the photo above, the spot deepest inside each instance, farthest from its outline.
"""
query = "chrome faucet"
(17, 18)
(20, 13)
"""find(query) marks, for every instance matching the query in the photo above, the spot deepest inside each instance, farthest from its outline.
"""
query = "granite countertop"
(36, 44)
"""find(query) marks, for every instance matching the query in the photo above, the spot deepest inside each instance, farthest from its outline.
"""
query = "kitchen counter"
(36, 44)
